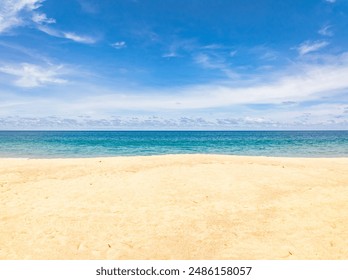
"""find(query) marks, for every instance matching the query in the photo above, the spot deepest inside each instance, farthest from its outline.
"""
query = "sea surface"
(67, 144)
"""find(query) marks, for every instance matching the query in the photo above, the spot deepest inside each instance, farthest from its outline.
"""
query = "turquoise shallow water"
(64, 144)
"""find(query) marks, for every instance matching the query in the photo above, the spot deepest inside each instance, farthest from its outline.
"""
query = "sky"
(173, 65)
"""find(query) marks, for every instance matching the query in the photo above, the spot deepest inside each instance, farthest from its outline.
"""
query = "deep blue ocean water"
(63, 144)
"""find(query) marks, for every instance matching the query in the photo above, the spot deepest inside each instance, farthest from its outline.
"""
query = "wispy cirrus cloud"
(326, 31)
(311, 83)
(78, 38)
(41, 18)
(308, 46)
(179, 47)
(213, 47)
(331, 1)
(25, 52)
(67, 35)
(15, 13)
(299, 83)
(119, 45)
(264, 52)
(170, 54)
(216, 62)
(31, 75)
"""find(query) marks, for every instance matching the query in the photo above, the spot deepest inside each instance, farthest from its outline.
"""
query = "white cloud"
(172, 51)
(269, 56)
(170, 54)
(263, 52)
(78, 38)
(15, 13)
(212, 47)
(300, 83)
(325, 31)
(205, 61)
(330, 1)
(67, 35)
(25, 52)
(30, 75)
(308, 46)
(179, 47)
(40, 18)
(119, 45)
(216, 62)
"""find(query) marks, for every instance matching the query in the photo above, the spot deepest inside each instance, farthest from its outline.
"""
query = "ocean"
(70, 144)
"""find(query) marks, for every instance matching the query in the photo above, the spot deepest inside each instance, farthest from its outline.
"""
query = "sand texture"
(174, 207)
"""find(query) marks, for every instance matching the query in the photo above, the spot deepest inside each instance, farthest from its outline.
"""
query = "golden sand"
(174, 207)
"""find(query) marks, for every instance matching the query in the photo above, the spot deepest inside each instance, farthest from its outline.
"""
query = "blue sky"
(155, 64)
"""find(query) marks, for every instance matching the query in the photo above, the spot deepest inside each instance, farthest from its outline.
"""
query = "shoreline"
(183, 206)
(171, 155)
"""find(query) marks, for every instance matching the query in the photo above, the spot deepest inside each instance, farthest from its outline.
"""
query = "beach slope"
(174, 207)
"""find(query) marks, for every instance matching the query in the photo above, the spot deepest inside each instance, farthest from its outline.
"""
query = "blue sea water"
(64, 144)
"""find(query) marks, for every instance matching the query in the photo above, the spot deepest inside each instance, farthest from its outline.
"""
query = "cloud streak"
(40, 18)
(30, 75)
(77, 38)
(67, 35)
(208, 62)
(15, 13)
(308, 46)
(119, 45)
(325, 31)
(312, 83)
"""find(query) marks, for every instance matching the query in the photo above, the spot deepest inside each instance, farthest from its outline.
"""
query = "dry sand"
(174, 207)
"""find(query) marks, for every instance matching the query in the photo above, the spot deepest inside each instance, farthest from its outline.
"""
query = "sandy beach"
(174, 207)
